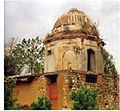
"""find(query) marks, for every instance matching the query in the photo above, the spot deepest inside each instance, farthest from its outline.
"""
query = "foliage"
(10, 103)
(84, 98)
(31, 53)
(43, 103)
(10, 63)
(109, 65)
(26, 53)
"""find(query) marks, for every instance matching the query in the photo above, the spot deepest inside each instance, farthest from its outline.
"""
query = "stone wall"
(110, 92)
(27, 92)
(108, 98)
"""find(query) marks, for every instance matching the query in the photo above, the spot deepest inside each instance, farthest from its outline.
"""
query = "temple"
(73, 56)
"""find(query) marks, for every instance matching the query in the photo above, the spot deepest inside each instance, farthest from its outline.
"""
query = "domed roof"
(75, 20)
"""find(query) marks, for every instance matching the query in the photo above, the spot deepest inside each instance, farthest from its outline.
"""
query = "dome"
(75, 20)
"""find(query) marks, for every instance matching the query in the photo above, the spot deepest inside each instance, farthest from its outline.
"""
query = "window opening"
(90, 60)
(91, 78)
(49, 52)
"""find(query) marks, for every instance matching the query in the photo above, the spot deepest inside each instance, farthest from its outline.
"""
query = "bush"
(43, 103)
(84, 98)
(10, 102)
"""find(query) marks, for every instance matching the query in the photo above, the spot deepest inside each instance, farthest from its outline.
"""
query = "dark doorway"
(52, 90)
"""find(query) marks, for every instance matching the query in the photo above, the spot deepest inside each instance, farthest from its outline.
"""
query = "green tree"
(10, 63)
(84, 98)
(43, 103)
(109, 65)
(31, 53)
(10, 102)
(28, 53)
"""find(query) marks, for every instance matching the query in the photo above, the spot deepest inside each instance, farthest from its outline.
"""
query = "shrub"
(43, 103)
(10, 102)
(84, 98)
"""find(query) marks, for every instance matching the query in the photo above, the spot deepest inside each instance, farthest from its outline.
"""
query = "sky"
(28, 19)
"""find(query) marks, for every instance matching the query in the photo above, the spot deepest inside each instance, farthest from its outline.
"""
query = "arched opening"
(90, 60)
(69, 60)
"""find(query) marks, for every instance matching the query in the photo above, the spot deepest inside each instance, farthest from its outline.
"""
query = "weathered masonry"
(73, 56)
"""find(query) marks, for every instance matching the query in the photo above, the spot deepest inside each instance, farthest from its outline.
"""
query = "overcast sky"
(27, 19)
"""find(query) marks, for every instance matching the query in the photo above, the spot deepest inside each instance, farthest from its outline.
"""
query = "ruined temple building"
(73, 56)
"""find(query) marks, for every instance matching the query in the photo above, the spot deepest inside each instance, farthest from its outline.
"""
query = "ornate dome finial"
(73, 9)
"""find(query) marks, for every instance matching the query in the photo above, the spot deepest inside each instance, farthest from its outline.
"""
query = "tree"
(10, 63)
(109, 65)
(43, 103)
(84, 98)
(31, 53)
(26, 53)
(10, 44)
(10, 102)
